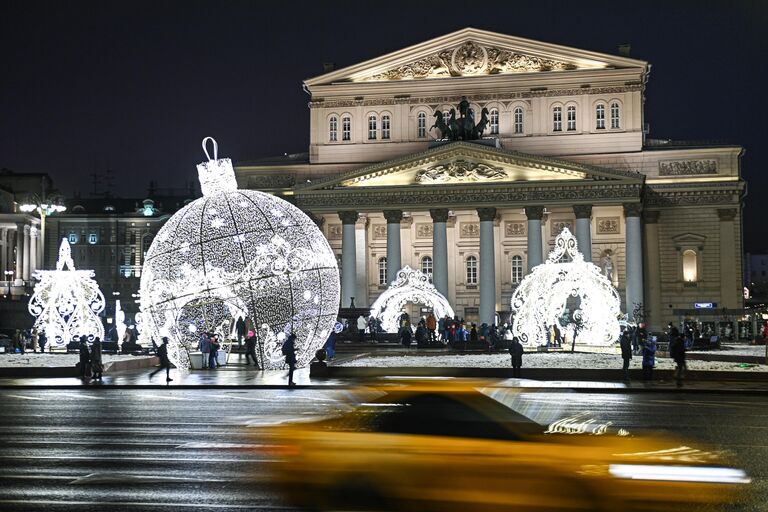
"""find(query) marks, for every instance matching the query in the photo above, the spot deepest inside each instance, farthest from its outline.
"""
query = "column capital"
(348, 216)
(583, 211)
(33, 232)
(439, 214)
(534, 212)
(727, 214)
(632, 209)
(651, 216)
(393, 216)
(486, 213)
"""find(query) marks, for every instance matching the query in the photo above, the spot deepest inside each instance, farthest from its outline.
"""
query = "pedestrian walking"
(626, 352)
(85, 358)
(649, 358)
(432, 327)
(405, 335)
(330, 346)
(165, 362)
(34, 338)
(97, 366)
(213, 356)
(18, 341)
(421, 334)
(43, 341)
(205, 348)
(289, 351)
(516, 352)
(250, 349)
(362, 323)
(677, 353)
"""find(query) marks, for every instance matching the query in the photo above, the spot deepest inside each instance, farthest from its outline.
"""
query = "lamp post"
(44, 206)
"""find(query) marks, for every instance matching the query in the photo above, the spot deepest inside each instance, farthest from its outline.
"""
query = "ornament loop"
(215, 148)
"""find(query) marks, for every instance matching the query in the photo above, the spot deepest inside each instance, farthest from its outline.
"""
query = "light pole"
(44, 206)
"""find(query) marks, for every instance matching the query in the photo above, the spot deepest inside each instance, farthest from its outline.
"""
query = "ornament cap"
(217, 174)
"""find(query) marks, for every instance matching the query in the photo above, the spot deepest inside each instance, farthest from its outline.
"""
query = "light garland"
(540, 300)
(412, 286)
(235, 253)
(67, 301)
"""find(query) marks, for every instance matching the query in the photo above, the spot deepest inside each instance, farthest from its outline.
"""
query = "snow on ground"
(534, 360)
(31, 359)
(735, 350)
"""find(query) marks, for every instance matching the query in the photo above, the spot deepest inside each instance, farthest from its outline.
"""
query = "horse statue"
(440, 124)
(453, 125)
(479, 128)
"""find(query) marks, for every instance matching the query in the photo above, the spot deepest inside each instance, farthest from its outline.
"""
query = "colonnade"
(20, 253)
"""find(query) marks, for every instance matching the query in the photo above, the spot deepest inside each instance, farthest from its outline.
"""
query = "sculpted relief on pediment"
(460, 171)
(469, 59)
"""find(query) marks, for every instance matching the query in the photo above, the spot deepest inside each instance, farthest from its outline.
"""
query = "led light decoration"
(67, 301)
(120, 320)
(542, 299)
(235, 253)
(412, 286)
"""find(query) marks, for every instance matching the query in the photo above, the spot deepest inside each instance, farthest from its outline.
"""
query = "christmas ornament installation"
(239, 253)
(570, 292)
(67, 302)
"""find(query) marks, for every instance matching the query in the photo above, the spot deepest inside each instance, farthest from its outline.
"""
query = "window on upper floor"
(494, 121)
(133, 256)
(333, 129)
(385, 127)
(472, 270)
(346, 128)
(372, 129)
(421, 125)
(517, 269)
(382, 267)
(600, 117)
(73, 238)
(571, 110)
(615, 113)
(426, 267)
(690, 266)
(93, 238)
(518, 120)
(557, 119)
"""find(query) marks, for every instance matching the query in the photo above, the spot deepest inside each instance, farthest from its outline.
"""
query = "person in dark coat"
(625, 342)
(205, 348)
(677, 353)
(405, 335)
(85, 358)
(330, 345)
(250, 349)
(213, 356)
(289, 351)
(97, 367)
(649, 358)
(165, 362)
(516, 351)
(421, 334)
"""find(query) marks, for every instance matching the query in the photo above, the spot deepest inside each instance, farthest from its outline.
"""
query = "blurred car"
(446, 446)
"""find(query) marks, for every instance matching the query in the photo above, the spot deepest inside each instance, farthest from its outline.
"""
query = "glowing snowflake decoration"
(67, 302)
(410, 286)
(235, 253)
(570, 292)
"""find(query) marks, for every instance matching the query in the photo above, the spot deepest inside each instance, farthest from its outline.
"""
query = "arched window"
(333, 129)
(372, 127)
(346, 128)
(426, 266)
(600, 117)
(382, 271)
(472, 270)
(571, 118)
(146, 242)
(615, 115)
(133, 256)
(517, 269)
(557, 119)
(421, 125)
(518, 119)
(690, 266)
(494, 121)
(385, 127)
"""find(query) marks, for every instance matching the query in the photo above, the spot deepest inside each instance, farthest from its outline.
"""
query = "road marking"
(108, 478)
(205, 506)
(25, 397)
(226, 446)
(166, 397)
(80, 395)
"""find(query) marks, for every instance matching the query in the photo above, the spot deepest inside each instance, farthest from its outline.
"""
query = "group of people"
(28, 338)
(638, 342)
(209, 345)
(91, 365)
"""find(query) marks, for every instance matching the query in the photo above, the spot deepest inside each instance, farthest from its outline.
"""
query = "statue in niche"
(607, 264)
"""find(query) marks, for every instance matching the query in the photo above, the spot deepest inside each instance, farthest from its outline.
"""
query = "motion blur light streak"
(680, 473)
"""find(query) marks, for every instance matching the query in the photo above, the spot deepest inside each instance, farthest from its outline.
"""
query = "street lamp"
(44, 207)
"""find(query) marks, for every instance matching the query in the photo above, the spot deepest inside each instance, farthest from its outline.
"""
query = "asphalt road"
(177, 449)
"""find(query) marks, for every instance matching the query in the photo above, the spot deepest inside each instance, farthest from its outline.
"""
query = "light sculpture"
(119, 320)
(67, 301)
(410, 286)
(541, 299)
(235, 253)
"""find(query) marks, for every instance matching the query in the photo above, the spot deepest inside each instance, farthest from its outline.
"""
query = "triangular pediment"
(468, 163)
(473, 52)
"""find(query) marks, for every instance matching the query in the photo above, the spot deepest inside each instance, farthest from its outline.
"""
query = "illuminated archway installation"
(569, 291)
(412, 286)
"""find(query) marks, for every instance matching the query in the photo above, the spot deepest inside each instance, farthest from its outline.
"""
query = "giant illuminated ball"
(239, 253)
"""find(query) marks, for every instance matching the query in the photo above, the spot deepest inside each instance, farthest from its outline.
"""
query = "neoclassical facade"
(564, 146)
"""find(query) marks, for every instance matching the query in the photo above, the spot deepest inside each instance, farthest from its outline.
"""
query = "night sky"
(134, 86)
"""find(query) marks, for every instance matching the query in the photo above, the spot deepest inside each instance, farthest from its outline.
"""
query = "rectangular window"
(614, 116)
(494, 121)
(471, 270)
(421, 131)
(333, 129)
(73, 238)
(385, 127)
(92, 238)
(571, 118)
(372, 128)
(518, 120)
(600, 117)
(346, 128)
(557, 119)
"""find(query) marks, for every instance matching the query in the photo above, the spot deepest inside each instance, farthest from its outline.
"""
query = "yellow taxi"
(446, 446)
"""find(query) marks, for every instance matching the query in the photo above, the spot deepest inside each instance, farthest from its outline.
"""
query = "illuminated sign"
(703, 305)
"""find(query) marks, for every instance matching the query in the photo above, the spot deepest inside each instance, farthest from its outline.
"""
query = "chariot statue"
(463, 127)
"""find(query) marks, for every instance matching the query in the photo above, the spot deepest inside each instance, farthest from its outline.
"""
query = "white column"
(348, 258)
(634, 247)
(583, 229)
(4, 251)
(652, 263)
(440, 250)
(18, 275)
(534, 214)
(487, 266)
(361, 273)
(394, 253)
(730, 284)
(25, 262)
(33, 246)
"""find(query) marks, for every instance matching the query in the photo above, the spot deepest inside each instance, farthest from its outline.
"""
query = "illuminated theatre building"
(563, 146)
